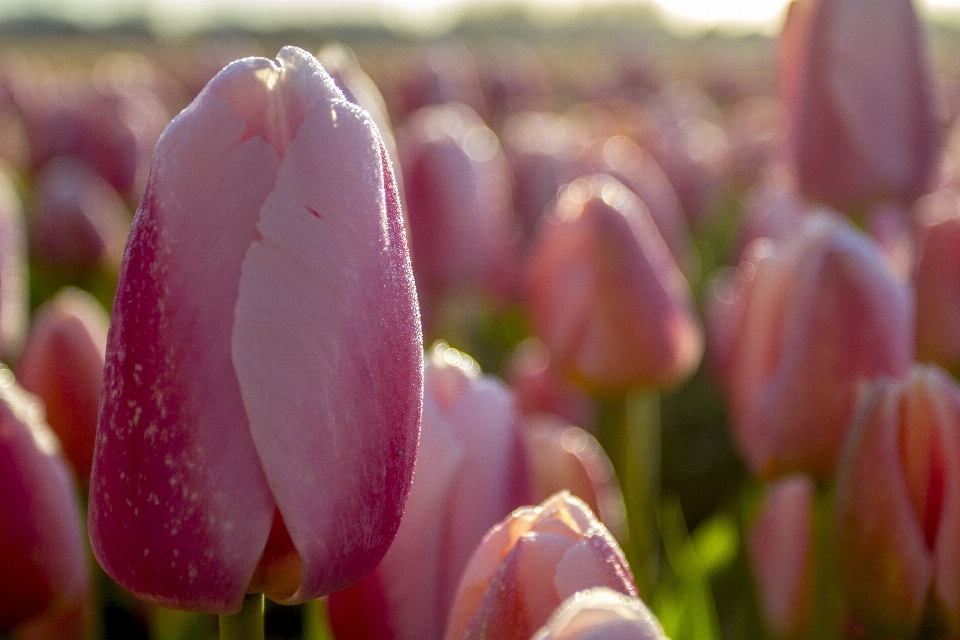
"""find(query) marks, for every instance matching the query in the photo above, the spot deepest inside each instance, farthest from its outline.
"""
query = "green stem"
(630, 433)
(247, 624)
(316, 621)
(827, 619)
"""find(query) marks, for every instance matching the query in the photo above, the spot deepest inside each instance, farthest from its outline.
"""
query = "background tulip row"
(709, 287)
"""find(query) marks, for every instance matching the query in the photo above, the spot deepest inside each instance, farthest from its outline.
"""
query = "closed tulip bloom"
(529, 564)
(601, 614)
(605, 294)
(42, 557)
(263, 379)
(898, 506)
(470, 474)
(781, 554)
(62, 362)
(863, 124)
(937, 279)
(814, 317)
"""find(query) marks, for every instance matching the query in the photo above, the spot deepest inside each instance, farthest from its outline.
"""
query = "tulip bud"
(62, 362)
(263, 378)
(601, 614)
(862, 118)
(531, 562)
(814, 317)
(937, 279)
(781, 553)
(42, 557)
(605, 294)
(898, 506)
(470, 474)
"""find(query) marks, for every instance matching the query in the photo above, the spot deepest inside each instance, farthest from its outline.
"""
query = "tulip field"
(530, 330)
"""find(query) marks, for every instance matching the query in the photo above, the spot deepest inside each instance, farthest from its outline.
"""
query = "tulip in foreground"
(898, 506)
(601, 614)
(470, 474)
(42, 560)
(262, 388)
(529, 564)
(810, 319)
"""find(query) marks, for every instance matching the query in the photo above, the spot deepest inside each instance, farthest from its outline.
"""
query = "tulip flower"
(781, 554)
(62, 362)
(898, 506)
(539, 388)
(42, 557)
(813, 318)
(529, 564)
(13, 270)
(470, 474)
(605, 294)
(263, 379)
(863, 123)
(937, 279)
(601, 614)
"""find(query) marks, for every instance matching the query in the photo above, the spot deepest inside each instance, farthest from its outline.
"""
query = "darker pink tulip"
(937, 279)
(42, 556)
(470, 474)
(529, 564)
(781, 554)
(601, 614)
(605, 294)
(802, 324)
(62, 362)
(863, 123)
(13, 270)
(898, 506)
(262, 388)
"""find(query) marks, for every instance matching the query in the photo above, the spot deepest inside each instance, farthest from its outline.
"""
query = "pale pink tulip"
(42, 556)
(606, 295)
(898, 506)
(863, 123)
(262, 388)
(62, 362)
(601, 614)
(812, 318)
(529, 564)
(470, 474)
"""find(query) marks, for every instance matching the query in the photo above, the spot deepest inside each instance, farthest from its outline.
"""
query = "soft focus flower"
(470, 474)
(13, 270)
(605, 294)
(898, 506)
(601, 614)
(457, 185)
(540, 388)
(529, 564)
(42, 557)
(937, 279)
(262, 388)
(781, 553)
(62, 362)
(862, 114)
(806, 321)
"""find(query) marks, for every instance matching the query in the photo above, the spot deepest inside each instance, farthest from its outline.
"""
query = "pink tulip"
(262, 388)
(781, 553)
(937, 279)
(529, 564)
(898, 506)
(601, 614)
(13, 270)
(42, 557)
(62, 362)
(539, 388)
(457, 186)
(470, 474)
(863, 124)
(606, 296)
(564, 457)
(812, 318)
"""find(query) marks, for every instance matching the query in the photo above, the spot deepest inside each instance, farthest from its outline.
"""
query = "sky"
(763, 15)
